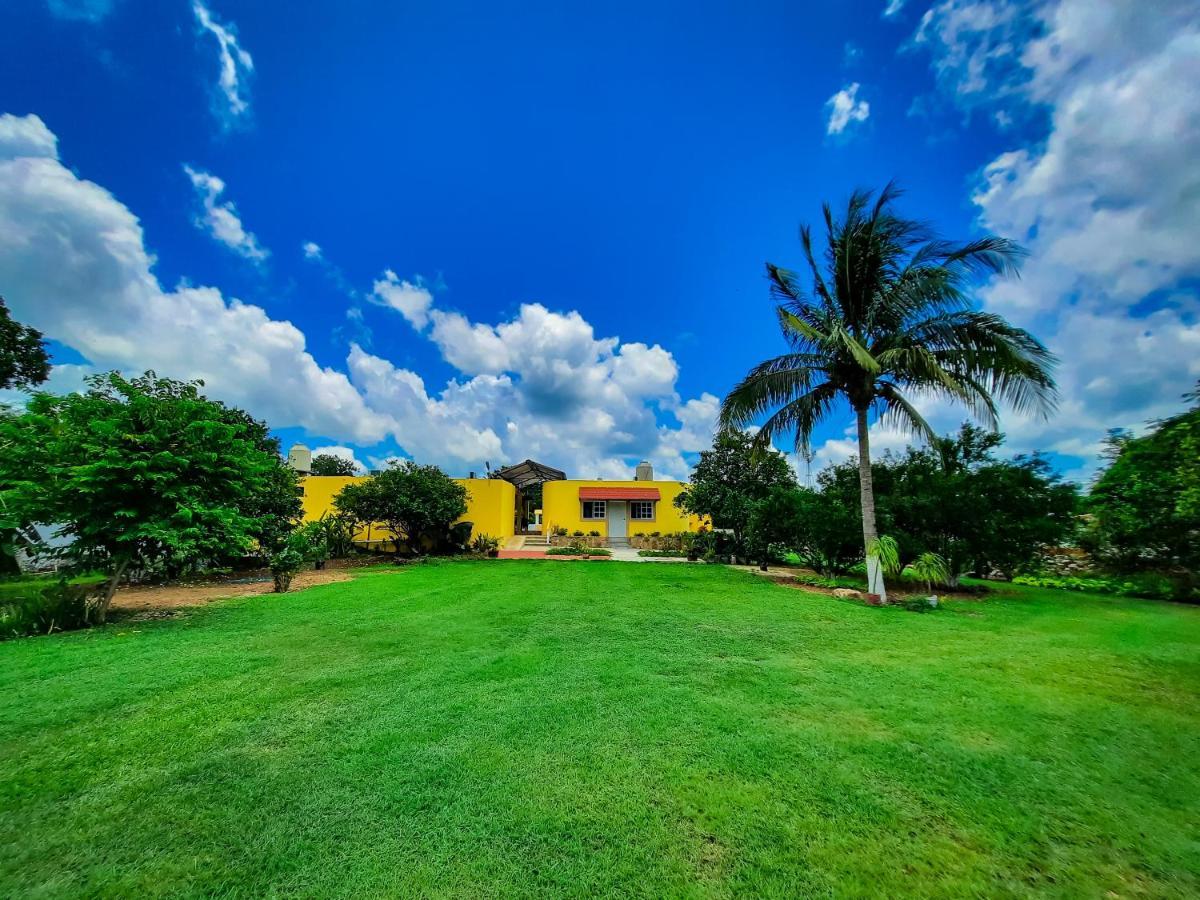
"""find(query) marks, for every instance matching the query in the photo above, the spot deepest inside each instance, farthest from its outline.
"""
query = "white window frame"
(648, 505)
(601, 505)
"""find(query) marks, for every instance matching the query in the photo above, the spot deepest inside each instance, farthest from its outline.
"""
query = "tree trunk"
(866, 492)
(110, 589)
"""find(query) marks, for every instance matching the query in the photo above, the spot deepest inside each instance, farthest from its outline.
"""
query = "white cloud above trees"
(74, 263)
(1105, 202)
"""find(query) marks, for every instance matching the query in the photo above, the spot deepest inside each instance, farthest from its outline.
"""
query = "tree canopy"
(730, 478)
(416, 503)
(140, 472)
(1143, 511)
(328, 464)
(23, 359)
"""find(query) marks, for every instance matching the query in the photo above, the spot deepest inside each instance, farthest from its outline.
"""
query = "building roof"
(618, 493)
(528, 473)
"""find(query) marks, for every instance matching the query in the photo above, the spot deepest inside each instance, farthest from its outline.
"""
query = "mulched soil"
(147, 598)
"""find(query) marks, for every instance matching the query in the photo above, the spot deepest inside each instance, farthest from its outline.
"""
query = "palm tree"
(887, 320)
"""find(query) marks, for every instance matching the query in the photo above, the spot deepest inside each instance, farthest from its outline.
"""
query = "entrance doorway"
(617, 516)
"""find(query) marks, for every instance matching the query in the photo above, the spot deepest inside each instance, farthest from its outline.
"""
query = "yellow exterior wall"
(491, 504)
(561, 507)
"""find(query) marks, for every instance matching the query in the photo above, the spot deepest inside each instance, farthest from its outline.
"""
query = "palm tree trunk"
(866, 491)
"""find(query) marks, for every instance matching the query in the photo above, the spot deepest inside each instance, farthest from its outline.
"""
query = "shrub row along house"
(532, 498)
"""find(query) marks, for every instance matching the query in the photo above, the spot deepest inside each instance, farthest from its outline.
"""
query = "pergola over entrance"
(527, 477)
(529, 473)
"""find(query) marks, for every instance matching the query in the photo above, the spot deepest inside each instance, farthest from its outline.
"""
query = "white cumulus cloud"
(74, 264)
(845, 108)
(410, 300)
(1104, 200)
(220, 219)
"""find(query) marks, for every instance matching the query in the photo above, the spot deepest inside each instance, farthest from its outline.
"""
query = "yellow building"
(490, 504)
(503, 505)
(616, 509)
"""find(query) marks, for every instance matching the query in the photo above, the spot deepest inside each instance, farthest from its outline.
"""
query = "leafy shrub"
(671, 554)
(577, 534)
(577, 550)
(593, 533)
(559, 531)
(485, 544)
(337, 533)
(42, 605)
(1156, 587)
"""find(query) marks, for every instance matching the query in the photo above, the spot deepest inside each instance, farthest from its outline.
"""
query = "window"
(642, 509)
(593, 509)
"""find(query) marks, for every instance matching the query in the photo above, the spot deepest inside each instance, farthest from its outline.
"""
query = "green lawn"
(527, 728)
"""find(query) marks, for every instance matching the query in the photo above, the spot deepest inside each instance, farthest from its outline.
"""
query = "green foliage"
(666, 554)
(578, 550)
(931, 569)
(24, 362)
(955, 499)
(776, 520)
(1140, 584)
(328, 464)
(41, 605)
(730, 479)
(559, 531)
(138, 473)
(485, 544)
(337, 532)
(888, 313)
(1142, 513)
(416, 503)
(887, 552)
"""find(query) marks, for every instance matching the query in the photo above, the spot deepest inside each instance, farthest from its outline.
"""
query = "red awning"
(618, 493)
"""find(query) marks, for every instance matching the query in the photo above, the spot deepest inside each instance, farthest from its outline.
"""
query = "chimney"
(300, 459)
(644, 471)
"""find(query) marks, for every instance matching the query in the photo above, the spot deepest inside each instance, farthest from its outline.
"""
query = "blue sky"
(541, 228)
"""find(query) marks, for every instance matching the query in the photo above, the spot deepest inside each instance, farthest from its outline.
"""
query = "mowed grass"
(533, 728)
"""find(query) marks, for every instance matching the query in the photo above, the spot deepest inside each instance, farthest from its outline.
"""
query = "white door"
(616, 518)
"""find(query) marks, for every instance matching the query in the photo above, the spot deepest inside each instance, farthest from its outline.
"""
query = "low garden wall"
(576, 540)
(673, 541)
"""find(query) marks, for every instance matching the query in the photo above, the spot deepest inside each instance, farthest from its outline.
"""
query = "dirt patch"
(786, 576)
(143, 598)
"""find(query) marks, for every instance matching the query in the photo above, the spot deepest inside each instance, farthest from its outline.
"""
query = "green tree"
(729, 479)
(1140, 517)
(136, 473)
(974, 511)
(328, 464)
(23, 358)
(887, 317)
(775, 524)
(828, 537)
(416, 503)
